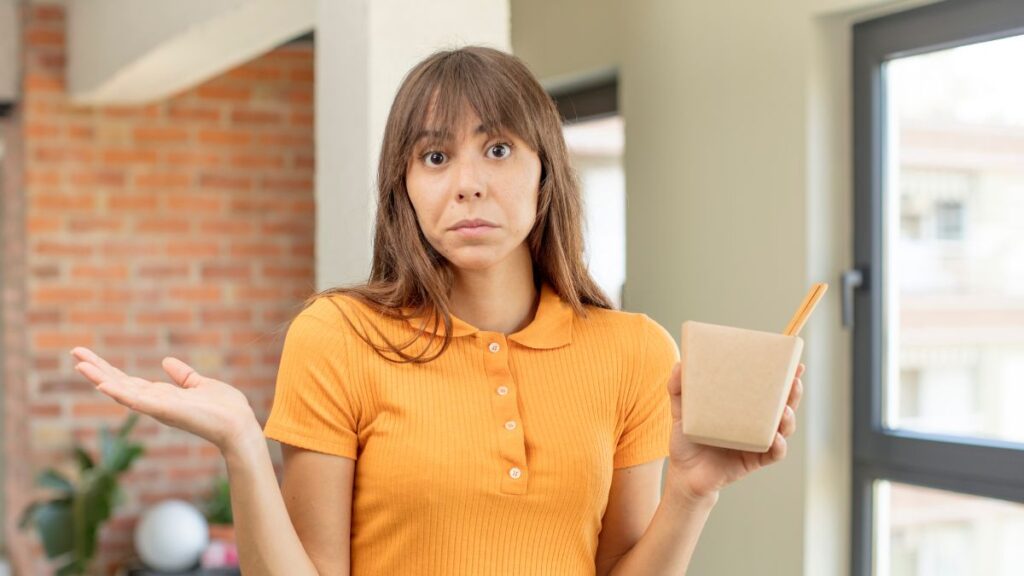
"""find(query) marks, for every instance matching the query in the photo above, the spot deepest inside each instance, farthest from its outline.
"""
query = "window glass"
(596, 149)
(926, 532)
(955, 241)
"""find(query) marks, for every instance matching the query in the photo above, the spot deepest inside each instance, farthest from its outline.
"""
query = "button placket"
(505, 407)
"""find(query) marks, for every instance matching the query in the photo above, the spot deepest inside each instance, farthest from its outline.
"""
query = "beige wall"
(738, 179)
(563, 40)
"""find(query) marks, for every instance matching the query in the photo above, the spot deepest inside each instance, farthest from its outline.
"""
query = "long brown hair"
(408, 277)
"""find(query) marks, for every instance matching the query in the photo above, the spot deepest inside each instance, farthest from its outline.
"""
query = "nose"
(470, 181)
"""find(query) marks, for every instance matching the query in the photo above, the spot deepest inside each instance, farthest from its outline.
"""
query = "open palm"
(704, 470)
(208, 408)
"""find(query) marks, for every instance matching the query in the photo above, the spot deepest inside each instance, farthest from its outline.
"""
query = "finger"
(788, 424)
(117, 388)
(796, 393)
(149, 398)
(675, 389)
(776, 452)
(84, 354)
(92, 372)
(800, 369)
(182, 374)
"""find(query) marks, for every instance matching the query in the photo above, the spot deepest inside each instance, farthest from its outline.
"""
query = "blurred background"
(178, 176)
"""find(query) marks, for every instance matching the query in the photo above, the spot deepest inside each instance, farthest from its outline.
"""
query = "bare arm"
(671, 538)
(268, 543)
(267, 540)
(632, 501)
(317, 490)
(639, 525)
(695, 476)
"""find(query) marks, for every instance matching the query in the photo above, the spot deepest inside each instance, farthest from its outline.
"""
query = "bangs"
(455, 82)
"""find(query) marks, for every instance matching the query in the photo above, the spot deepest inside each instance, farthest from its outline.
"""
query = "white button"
(510, 425)
(494, 347)
(502, 390)
(515, 473)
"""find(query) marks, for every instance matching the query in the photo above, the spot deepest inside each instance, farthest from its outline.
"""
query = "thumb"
(182, 374)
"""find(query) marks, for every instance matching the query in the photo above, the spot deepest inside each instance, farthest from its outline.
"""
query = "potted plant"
(223, 550)
(218, 512)
(68, 523)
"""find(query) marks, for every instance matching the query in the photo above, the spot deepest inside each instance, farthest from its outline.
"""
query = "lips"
(474, 223)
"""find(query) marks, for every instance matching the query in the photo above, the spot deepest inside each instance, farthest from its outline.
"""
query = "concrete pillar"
(363, 50)
(9, 47)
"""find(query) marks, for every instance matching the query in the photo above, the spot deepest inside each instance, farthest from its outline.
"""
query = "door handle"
(850, 280)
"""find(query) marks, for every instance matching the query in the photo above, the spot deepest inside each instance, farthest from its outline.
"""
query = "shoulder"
(324, 319)
(635, 332)
(342, 311)
(347, 317)
(329, 309)
(635, 325)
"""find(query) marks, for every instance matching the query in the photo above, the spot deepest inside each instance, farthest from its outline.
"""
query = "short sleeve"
(647, 424)
(314, 402)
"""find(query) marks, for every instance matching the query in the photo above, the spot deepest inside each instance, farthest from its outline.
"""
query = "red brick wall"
(183, 227)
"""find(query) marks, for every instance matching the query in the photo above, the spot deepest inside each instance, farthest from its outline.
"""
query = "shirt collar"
(551, 326)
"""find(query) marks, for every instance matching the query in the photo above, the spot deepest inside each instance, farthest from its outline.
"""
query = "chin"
(474, 265)
(475, 262)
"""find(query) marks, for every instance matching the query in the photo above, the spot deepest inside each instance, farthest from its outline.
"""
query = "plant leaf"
(129, 423)
(28, 515)
(95, 507)
(121, 456)
(55, 525)
(106, 445)
(85, 461)
(54, 480)
(218, 509)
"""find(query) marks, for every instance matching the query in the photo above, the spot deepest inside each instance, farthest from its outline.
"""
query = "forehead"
(435, 135)
(442, 126)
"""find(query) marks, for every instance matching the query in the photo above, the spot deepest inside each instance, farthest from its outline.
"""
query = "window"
(939, 319)
(949, 220)
(594, 134)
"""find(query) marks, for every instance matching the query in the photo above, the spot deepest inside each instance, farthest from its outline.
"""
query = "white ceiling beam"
(131, 52)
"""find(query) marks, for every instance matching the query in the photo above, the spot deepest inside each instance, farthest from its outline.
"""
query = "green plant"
(218, 506)
(69, 522)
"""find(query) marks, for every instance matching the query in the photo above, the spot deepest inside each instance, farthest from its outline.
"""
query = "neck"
(496, 300)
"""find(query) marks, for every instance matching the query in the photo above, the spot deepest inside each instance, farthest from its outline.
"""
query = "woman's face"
(494, 179)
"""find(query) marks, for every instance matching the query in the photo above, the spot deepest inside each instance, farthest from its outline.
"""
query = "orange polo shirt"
(495, 458)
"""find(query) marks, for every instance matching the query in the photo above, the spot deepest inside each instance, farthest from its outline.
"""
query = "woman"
(504, 418)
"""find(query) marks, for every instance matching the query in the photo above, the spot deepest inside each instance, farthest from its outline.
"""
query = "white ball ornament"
(171, 536)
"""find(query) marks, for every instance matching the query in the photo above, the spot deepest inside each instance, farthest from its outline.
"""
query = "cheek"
(522, 213)
(530, 186)
(419, 198)
(421, 213)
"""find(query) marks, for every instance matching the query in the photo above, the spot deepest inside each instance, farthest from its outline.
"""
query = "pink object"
(220, 554)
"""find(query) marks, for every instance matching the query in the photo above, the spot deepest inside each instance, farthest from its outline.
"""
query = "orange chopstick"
(814, 295)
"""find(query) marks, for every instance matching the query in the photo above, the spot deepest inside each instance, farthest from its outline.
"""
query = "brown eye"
(434, 158)
(500, 151)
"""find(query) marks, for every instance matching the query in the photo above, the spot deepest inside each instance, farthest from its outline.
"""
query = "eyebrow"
(436, 134)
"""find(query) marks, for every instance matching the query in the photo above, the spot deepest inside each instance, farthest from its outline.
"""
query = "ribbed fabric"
(564, 401)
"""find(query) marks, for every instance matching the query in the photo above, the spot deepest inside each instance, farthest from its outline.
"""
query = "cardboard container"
(735, 384)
